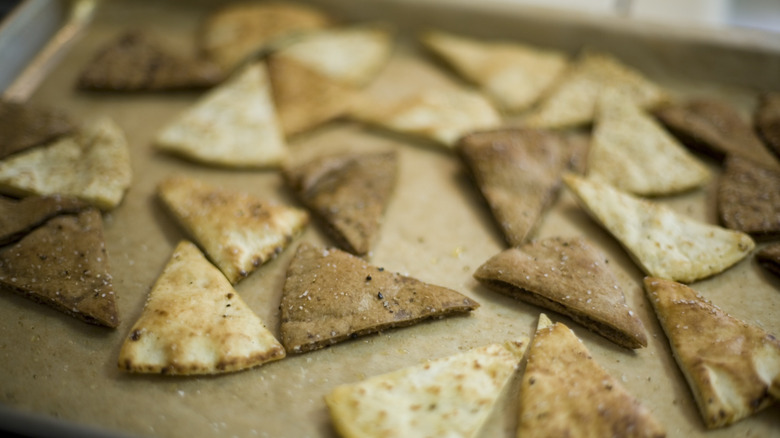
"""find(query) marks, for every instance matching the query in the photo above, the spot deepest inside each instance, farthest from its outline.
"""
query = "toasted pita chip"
(519, 173)
(569, 276)
(17, 218)
(732, 367)
(514, 75)
(349, 192)
(767, 120)
(633, 153)
(23, 126)
(194, 322)
(565, 392)
(93, 166)
(572, 102)
(663, 243)
(330, 296)
(450, 396)
(233, 125)
(238, 231)
(64, 264)
(769, 257)
(749, 198)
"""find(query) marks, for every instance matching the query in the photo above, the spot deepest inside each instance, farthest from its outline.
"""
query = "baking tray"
(59, 375)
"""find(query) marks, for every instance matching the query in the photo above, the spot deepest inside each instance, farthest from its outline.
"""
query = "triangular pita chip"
(19, 217)
(194, 322)
(572, 101)
(135, 61)
(64, 264)
(238, 231)
(233, 125)
(331, 296)
(732, 367)
(749, 198)
(447, 397)
(571, 277)
(348, 192)
(633, 153)
(514, 75)
(663, 243)
(519, 173)
(23, 126)
(565, 392)
(93, 166)
(767, 120)
(769, 257)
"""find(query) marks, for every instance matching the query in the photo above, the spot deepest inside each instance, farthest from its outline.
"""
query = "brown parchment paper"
(437, 228)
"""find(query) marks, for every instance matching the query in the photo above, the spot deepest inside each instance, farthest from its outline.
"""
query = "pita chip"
(194, 322)
(23, 126)
(18, 217)
(63, 264)
(450, 396)
(732, 367)
(749, 198)
(93, 166)
(348, 192)
(519, 173)
(238, 231)
(769, 257)
(330, 296)
(571, 277)
(767, 120)
(514, 75)
(572, 101)
(565, 392)
(233, 125)
(663, 243)
(633, 153)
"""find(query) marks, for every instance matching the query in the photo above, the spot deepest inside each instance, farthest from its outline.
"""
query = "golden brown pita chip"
(450, 396)
(238, 231)
(17, 217)
(93, 166)
(769, 257)
(348, 192)
(663, 243)
(519, 173)
(565, 392)
(767, 120)
(571, 277)
(64, 264)
(330, 296)
(514, 75)
(732, 367)
(749, 198)
(194, 322)
(23, 126)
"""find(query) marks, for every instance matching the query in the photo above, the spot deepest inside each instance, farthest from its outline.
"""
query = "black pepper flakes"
(381, 269)
(368, 278)
(380, 296)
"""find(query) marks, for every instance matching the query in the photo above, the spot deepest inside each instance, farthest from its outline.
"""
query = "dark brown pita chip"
(769, 257)
(749, 198)
(767, 121)
(330, 296)
(23, 126)
(64, 264)
(348, 192)
(17, 217)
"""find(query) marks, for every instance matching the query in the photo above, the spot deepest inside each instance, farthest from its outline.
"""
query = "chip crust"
(749, 198)
(23, 126)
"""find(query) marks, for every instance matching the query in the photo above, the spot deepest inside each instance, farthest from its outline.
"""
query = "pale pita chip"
(233, 125)
(238, 231)
(194, 322)
(18, 217)
(23, 125)
(633, 153)
(447, 397)
(514, 75)
(331, 296)
(663, 243)
(565, 392)
(572, 101)
(93, 166)
(732, 367)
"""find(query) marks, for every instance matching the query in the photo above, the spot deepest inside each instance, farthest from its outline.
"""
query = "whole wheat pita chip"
(348, 192)
(572, 101)
(633, 153)
(767, 120)
(769, 257)
(194, 322)
(330, 296)
(17, 217)
(519, 173)
(450, 396)
(732, 367)
(749, 198)
(64, 264)
(663, 243)
(23, 125)
(571, 277)
(565, 392)
(514, 75)
(238, 231)
(233, 125)
(93, 166)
